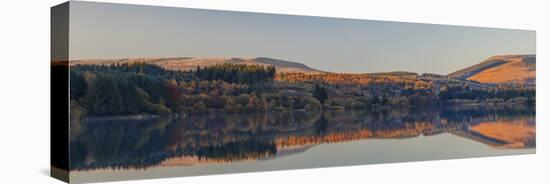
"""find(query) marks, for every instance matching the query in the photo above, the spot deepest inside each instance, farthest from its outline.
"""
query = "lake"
(142, 148)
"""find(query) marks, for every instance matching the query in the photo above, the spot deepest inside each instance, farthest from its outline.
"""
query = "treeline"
(237, 73)
(349, 78)
(382, 103)
(136, 68)
(221, 97)
(522, 95)
(139, 88)
(386, 97)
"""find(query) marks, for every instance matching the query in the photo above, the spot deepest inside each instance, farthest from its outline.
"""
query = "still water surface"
(121, 149)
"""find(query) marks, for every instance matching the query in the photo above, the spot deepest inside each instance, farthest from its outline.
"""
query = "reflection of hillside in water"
(239, 137)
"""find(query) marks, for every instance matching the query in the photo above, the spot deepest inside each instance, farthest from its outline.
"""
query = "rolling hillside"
(518, 69)
(190, 63)
(501, 69)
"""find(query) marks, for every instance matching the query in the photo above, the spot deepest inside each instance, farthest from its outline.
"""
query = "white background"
(24, 92)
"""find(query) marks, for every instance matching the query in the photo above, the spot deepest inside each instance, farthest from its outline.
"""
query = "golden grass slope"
(513, 71)
(502, 69)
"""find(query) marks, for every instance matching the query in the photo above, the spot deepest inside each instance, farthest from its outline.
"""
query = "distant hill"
(501, 69)
(191, 63)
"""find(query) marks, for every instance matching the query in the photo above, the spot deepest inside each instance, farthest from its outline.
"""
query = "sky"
(109, 31)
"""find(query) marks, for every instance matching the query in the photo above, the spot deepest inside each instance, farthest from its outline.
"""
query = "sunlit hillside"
(502, 69)
(191, 63)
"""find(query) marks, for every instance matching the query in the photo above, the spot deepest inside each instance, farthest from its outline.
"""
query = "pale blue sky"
(99, 30)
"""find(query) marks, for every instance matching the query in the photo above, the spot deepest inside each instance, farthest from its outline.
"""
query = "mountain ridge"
(191, 63)
(519, 69)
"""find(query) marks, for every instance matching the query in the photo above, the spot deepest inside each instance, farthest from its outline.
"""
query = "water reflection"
(168, 141)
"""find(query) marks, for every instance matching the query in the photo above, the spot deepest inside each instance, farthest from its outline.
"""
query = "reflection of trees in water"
(119, 143)
(141, 143)
(476, 114)
(321, 125)
(241, 150)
